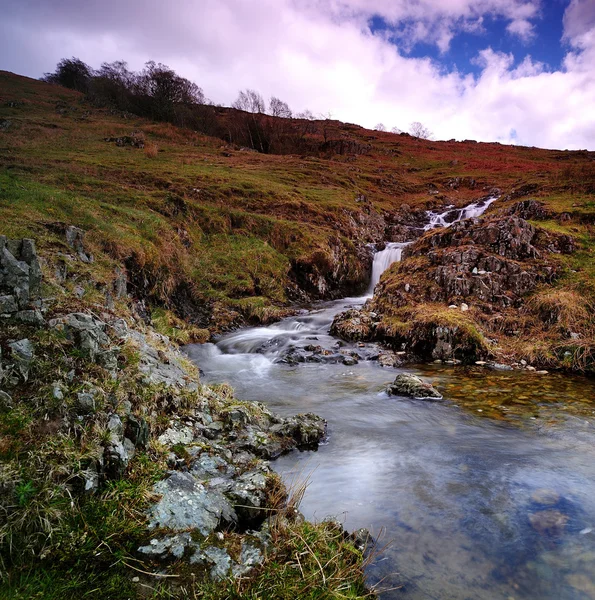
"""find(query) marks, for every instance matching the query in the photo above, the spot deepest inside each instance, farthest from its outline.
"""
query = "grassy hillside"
(220, 234)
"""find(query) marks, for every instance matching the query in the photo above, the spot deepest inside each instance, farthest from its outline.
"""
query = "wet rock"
(387, 358)
(545, 497)
(306, 430)
(406, 384)
(187, 504)
(355, 325)
(548, 523)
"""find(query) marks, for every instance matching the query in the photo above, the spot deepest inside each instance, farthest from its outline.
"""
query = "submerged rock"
(406, 384)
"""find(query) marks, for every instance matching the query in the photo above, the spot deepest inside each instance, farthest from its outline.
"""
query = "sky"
(512, 71)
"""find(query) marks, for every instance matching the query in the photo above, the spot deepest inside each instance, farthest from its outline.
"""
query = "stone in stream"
(410, 385)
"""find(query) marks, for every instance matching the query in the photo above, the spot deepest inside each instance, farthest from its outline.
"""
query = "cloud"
(323, 56)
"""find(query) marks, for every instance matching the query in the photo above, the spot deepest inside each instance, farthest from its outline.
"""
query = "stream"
(487, 495)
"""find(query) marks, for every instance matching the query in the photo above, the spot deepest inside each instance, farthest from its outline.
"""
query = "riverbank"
(121, 475)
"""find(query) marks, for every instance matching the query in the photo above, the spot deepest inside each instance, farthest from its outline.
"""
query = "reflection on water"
(472, 507)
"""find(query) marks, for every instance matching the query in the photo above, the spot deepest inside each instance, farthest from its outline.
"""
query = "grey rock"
(207, 467)
(86, 332)
(75, 239)
(30, 317)
(86, 402)
(410, 385)
(5, 400)
(8, 304)
(91, 479)
(137, 430)
(176, 435)
(57, 391)
(247, 493)
(220, 562)
(116, 458)
(115, 426)
(187, 504)
(172, 546)
(22, 354)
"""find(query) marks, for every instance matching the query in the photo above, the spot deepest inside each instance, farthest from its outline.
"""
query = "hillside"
(220, 235)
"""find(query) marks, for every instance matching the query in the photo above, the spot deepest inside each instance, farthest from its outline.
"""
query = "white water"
(383, 260)
(453, 215)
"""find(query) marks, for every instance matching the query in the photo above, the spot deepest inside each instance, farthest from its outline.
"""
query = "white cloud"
(322, 56)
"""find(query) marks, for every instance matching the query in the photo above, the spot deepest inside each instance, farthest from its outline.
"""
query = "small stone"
(523, 362)
(57, 392)
(135, 580)
(530, 368)
(481, 363)
(545, 497)
(30, 317)
(5, 400)
(541, 372)
(475, 271)
(86, 402)
(453, 306)
(464, 307)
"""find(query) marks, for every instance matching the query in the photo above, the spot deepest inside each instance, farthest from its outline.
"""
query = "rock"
(187, 504)
(548, 523)
(86, 332)
(176, 435)
(354, 324)
(250, 557)
(407, 384)
(85, 402)
(541, 372)
(219, 560)
(464, 307)
(8, 304)
(75, 239)
(116, 456)
(530, 368)
(90, 479)
(171, 546)
(248, 496)
(388, 358)
(115, 426)
(481, 363)
(22, 354)
(137, 430)
(20, 273)
(30, 317)
(5, 401)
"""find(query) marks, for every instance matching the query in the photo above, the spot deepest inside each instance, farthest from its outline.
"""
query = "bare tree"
(395, 129)
(307, 114)
(278, 108)
(418, 130)
(250, 101)
(380, 127)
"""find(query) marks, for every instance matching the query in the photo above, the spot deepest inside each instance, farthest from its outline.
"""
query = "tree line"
(157, 92)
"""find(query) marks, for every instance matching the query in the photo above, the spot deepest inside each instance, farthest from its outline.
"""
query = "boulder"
(410, 385)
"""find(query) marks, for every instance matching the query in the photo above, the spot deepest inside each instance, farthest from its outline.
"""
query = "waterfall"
(392, 253)
(383, 260)
(452, 215)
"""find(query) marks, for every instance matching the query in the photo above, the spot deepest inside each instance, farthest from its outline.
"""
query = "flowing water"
(489, 495)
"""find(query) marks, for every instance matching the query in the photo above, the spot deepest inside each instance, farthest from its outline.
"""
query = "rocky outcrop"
(494, 261)
(20, 281)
